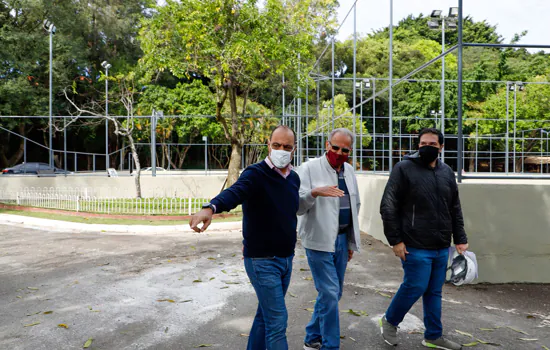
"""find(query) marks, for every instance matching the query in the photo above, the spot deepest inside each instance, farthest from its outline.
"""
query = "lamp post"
(435, 18)
(205, 139)
(50, 28)
(106, 65)
(364, 83)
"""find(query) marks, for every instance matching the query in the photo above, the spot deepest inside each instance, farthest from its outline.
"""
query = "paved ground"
(117, 289)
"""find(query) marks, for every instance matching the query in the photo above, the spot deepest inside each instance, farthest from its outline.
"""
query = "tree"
(238, 45)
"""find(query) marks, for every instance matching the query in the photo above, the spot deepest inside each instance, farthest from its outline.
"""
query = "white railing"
(82, 202)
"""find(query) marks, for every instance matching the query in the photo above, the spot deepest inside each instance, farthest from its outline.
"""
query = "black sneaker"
(312, 346)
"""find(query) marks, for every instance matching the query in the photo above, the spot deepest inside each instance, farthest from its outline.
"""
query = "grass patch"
(108, 221)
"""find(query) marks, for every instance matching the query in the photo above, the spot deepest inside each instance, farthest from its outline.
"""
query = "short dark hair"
(283, 127)
(432, 131)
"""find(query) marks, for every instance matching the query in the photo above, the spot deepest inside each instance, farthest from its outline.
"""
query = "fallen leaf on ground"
(234, 255)
(528, 339)
(304, 269)
(197, 281)
(36, 313)
(32, 288)
(531, 317)
(292, 295)
(308, 278)
(518, 330)
(32, 324)
(193, 247)
(63, 325)
(487, 342)
(224, 287)
(89, 307)
(357, 313)
(243, 335)
(488, 329)
(229, 282)
(212, 278)
(224, 272)
(19, 297)
(168, 300)
(384, 294)
(204, 346)
(211, 258)
(416, 332)
(166, 330)
(88, 343)
(48, 312)
(342, 337)
(464, 333)
(309, 309)
(545, 348)
(471, 344)
(187, 301)
(302, 256)
(353, 339)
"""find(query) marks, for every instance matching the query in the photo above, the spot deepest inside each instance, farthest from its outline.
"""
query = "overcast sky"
(510, 16)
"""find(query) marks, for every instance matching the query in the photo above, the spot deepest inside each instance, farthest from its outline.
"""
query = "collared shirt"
(279, 171)
(344, 217)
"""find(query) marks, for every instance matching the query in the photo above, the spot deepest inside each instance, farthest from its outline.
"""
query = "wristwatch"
(209, 205)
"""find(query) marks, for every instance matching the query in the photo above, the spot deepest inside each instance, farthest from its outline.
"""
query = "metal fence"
(82, 200)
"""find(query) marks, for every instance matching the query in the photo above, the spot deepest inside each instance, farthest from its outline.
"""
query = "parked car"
(33, 168)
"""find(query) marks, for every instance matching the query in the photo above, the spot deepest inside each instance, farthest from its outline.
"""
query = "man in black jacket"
(421, 213)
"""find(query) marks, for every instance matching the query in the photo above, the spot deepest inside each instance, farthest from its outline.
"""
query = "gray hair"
(347, 132)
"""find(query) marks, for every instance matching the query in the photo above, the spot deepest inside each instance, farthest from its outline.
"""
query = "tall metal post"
(154, 143)
(205, 139)
(332, 112)
(307, 122)
(319, 122)
(50, 100)
(515, 121)
(507, 138)
(299, 117)
(374, 123)
(106, 118)
(283, 116)
(354, 81)
(459, 114)
(443, 84)
(65, 144)
(361, 127)
(390, 148)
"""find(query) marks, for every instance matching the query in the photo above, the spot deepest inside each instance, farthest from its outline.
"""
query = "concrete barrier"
(507, 222)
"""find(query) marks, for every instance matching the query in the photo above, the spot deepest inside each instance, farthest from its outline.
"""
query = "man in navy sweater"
(268, 192)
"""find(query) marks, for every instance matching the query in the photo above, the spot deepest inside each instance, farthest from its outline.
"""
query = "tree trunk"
(138, 166)
(234, 164)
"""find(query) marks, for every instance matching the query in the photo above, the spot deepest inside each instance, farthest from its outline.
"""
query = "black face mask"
(428, 154)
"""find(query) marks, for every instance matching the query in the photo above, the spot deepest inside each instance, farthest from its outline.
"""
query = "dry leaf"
(229, 282)
(357, 313)
(304, 270)
(292, 295)
(63, 325)
(48, 312)
(464, 333)
(88, 343)
(528, 339)
(487, 342)
(243, 335)
(308, 278)
(32, 324)
(518, 330)
(224, 287)
(19, 297)
(212, 278)
(384, 294)
(168, 300)
(187, 301)
(36, 313)
(32, 288)
(342, 337)
(224, 272)
(471, 344)
(211, 258)
(531, 317)
(309, 309)
(204, 346)
(197, 281)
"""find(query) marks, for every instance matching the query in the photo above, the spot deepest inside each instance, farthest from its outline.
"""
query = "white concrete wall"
(507, 222)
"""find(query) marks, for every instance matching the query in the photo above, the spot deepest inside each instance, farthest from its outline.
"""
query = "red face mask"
(336, 160)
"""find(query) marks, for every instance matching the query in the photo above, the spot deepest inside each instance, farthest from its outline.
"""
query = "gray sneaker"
(312, 346)
(441, 343)
(389, 331)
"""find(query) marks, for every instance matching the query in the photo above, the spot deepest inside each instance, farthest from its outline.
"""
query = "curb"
(64, 226)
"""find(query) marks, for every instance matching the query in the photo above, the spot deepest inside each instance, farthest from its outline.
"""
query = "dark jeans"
(328, 270)
(270, 278)
(425, 272)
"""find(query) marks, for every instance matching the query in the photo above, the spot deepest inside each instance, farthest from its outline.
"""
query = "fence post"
(77, 204)
(190, 206)
(18, 201)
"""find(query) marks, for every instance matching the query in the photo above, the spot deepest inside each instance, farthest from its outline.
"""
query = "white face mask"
(280, 158)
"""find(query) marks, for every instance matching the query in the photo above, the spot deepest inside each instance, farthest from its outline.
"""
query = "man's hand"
(327, 191)
(401, 251)
(350, 254)
(461, 248)
(204, 216)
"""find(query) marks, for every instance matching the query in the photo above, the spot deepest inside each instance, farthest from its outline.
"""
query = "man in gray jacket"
(329, 229)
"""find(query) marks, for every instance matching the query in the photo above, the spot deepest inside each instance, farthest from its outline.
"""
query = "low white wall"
(507, 222)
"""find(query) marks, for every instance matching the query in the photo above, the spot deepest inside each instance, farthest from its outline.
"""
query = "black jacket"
(421, 207)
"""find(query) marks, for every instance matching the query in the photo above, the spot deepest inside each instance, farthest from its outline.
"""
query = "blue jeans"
(425, 272)
(328, 271)
(270, 278)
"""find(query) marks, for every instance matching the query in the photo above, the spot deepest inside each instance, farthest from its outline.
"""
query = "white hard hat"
(463, 269)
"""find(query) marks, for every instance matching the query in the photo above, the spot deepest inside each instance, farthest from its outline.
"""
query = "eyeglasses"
(337, 148)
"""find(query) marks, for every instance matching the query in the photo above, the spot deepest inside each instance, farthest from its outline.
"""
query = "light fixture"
(49, 26)
(432, 24)
(511, 86)
(436, 14)
(453, 12)
(521, 86)
(106, 65)
(451, 24)
(367, 83)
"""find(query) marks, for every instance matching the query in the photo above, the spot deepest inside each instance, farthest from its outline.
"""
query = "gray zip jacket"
(318, 217)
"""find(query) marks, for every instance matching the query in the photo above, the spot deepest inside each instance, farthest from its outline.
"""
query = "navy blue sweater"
(270, 203)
